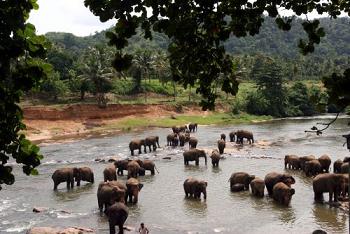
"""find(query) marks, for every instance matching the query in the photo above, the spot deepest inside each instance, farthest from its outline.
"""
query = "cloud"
(66, 16)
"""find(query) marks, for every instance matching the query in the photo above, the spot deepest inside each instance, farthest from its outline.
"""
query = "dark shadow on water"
(193, 167)
(63, 194)
(195, 207)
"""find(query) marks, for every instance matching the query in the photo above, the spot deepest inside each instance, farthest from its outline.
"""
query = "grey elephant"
(85, 174)
(221, 146)
(273, 178)
(121, 165)
(117, 215)
(223, 137)
(241, 178)
(133, 189)
(193, 127)
(241, 134)
(282, 193)
(182, 139)
(192, 143)
(152, 142)
(304, 159)
(232, 136)
(133, 169)
(312, 167)
(137, 144)
(194, 187)
(109, 193)
(337, 166)
(292, 162)
(344, 168)
(172, 140)
(333, 184)
(176, 129)
(194, 155)
(147, 165)
(65, 175)
(215, 158)
(109, 173)
(257, 186)
(325, 161)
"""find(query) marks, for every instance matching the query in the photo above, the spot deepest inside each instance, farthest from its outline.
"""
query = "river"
(162, 205)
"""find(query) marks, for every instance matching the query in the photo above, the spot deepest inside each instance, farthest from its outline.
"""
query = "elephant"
(194, 155)
(241, 134)
(176, 130)
(192, 143)
(133, 189)
(121, 165)
(223, 137)
(109, 173)
(117, 215)
(85, 174)
(232, 136)
(282, 193)
(172, 139)
(142, 171)
(312, 168)
(334, 184)
(346, 188)
(257, 186)
(147, 165)
(133, 169)
(237, 187)
(273, 178)
(241, 178)
(325, 161)
(109, 193)
(346, 159)
(187, 136)
(152, 141)
(215, 158)
(183, 128)
(137, 145)
(292, 162)
(337, 166)
(344, 168)
(182, 139)
(65, 175)
(304, 159)
(221, 146)
(193, 127)
(194, 187)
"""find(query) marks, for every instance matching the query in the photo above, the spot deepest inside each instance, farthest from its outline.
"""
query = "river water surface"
(162, 205)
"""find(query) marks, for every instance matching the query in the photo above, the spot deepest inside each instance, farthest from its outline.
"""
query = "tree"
(20, 70)
(197, 30)
(95, 68)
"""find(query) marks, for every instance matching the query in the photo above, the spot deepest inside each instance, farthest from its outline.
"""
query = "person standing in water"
(143, 229)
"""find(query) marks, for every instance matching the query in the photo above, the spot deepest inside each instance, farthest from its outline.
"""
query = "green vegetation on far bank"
(214, 118)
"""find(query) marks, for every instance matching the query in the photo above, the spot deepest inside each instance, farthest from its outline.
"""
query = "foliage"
(197, 30)
(298, 101)
(54, 86)
(20, 70)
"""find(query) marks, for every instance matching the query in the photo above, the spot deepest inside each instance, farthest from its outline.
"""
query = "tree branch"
(314, 129)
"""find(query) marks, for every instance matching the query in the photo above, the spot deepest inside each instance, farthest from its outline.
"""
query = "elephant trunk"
(205, 157)
(205, 194)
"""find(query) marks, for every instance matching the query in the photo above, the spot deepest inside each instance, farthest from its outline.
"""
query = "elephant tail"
(156, 169)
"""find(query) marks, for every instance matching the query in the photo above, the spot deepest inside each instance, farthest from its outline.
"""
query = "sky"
(72, 16)
(66, 16)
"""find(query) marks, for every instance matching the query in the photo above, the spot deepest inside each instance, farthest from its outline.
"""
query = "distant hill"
(270, 40)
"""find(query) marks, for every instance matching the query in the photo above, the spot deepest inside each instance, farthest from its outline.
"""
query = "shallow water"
(162, 205)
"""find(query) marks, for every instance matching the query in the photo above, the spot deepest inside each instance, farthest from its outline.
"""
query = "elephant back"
(325, 161)
(344, 168)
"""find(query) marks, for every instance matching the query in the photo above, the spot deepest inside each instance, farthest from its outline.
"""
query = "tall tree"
(20, 70)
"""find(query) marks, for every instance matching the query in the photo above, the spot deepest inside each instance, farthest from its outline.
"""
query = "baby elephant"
(282, 193)
(215, 158)
(257, 186)
(221, 146)
(117, 215)
(194, 188)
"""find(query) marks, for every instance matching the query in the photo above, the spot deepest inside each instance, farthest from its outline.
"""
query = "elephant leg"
(132, 152)
(100, 206)
(318, 196)
(184, 161)
(331, 196)
(197, 162)
(111, 228)
(130, 198)
(72, 183)
(68, 184)
(140, 150)
(152, 171)
(78, 182)
(121, 229)
(55, 186)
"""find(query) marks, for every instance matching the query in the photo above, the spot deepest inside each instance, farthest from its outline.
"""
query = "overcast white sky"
(66, 16)
(72, 16)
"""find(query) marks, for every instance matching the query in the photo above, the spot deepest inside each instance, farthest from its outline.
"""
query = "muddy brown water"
(162, 205)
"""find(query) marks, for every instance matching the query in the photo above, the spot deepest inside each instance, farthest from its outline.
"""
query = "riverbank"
(50, 123)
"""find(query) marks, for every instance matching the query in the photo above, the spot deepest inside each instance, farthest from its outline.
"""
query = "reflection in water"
(327, 218)
(195, 207)
(285, 214)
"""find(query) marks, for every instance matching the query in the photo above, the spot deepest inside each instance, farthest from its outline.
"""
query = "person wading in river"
(143, 229)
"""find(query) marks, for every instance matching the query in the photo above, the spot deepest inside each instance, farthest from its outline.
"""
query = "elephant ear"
(292, 191)
(140, 186)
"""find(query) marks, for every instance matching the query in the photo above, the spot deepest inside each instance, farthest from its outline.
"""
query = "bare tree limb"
(315, 129)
